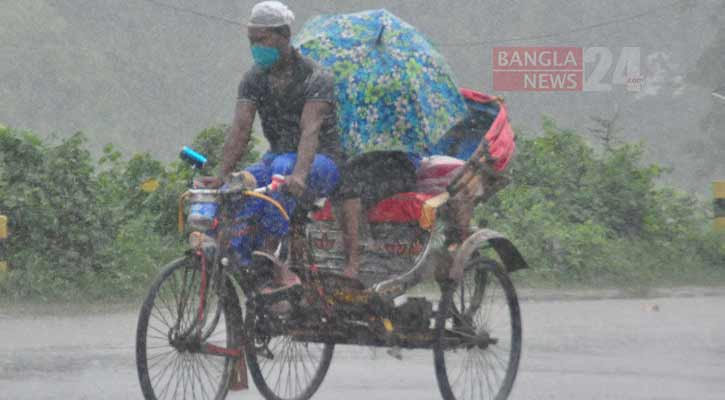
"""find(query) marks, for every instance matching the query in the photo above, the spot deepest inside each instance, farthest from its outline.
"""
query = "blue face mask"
(265, 56)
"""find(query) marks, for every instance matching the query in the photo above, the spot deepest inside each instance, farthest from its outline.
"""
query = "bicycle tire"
(262, 371)
(479, 347)
(197, 368)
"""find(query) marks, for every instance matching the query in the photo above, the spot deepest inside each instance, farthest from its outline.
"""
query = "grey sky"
(149, 74)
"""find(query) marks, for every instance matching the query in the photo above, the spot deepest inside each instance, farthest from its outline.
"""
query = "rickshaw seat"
(399, 208)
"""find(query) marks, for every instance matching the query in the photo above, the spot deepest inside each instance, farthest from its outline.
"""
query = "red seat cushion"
(325, 213)
(401, 208)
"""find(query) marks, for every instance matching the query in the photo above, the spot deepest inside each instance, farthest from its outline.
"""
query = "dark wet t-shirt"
(281, 110)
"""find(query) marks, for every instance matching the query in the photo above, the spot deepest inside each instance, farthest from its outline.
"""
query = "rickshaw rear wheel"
(477, 334)
(284, 367)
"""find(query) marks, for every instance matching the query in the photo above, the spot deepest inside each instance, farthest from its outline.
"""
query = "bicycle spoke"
(204, 373)
(161, 358)
(171, 375)
(489, 386)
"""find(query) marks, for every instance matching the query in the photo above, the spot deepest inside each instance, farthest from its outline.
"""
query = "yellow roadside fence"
(3, 236)
(718, 189)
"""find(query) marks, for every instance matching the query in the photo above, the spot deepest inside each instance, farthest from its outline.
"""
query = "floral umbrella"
(395, 91)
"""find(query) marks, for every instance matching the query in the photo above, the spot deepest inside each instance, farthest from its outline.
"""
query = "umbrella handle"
(379, 39)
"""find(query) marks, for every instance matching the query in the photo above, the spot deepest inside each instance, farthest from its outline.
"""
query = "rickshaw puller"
(296, 102)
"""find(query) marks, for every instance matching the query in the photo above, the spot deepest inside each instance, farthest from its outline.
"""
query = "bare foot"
(282, 275)
(285, 282)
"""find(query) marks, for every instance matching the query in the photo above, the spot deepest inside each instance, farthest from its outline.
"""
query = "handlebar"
(270, 200)
(260, 193)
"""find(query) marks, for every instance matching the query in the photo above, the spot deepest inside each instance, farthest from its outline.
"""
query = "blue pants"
(258, 219)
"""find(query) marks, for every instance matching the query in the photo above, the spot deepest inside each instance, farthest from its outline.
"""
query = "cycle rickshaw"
(205, 324)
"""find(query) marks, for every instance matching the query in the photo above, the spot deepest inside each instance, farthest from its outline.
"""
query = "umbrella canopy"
(395, 91)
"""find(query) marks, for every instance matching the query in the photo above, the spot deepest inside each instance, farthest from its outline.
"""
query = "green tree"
(50, 195)
(81, 228)
(591, 217)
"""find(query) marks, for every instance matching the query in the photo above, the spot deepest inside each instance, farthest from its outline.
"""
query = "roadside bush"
(49, 194)
(87, 230)
(595, 218)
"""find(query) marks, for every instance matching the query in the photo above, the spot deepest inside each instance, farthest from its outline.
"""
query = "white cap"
(269, 14)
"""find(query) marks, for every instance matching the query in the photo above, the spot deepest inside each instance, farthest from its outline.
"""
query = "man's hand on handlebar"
(295, 185)
(210, 182)
(291, 184)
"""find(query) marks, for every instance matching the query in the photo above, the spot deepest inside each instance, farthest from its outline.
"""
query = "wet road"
(590, 349)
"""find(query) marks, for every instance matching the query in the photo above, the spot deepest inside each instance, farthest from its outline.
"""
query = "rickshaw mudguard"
(509, 254)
